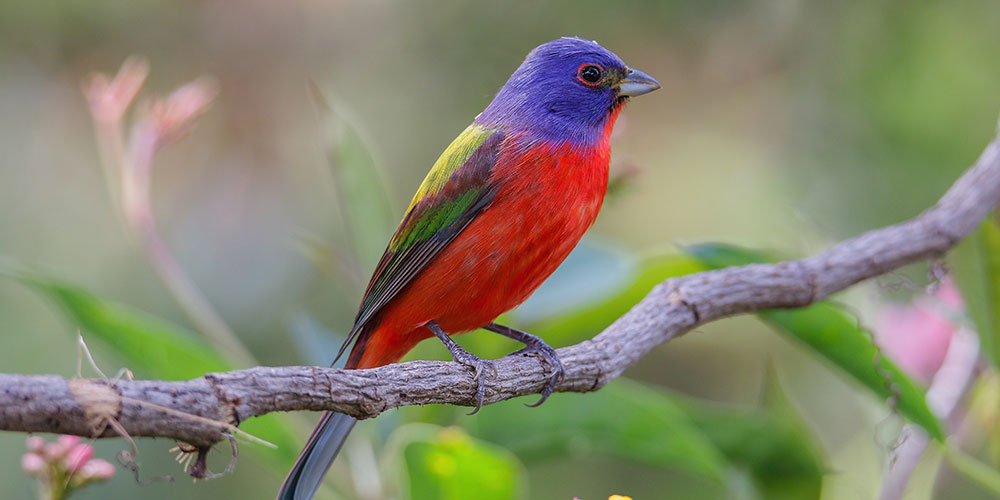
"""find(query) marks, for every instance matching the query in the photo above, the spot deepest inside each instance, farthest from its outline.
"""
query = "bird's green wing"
(457, 188)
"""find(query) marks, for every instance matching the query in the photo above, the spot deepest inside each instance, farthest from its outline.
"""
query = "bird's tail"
(317, 457)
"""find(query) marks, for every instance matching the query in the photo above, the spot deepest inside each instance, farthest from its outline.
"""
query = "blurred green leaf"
(623, 419)
(448, 464)
(836, 336)
(588, 322)
(773, 443)
(155, 348)
(989, 253)
(664, 430)
(970, 265)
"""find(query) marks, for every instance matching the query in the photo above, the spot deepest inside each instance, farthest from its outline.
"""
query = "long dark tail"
(317, 457)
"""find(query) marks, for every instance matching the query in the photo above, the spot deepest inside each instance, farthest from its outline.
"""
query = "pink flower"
(167, 120)
(32, 464)
(68, 441)
(110, 97)
(65, 465)
(77, 457)
(98, 470)
(916, 336)
(53, 451)
(36, 444)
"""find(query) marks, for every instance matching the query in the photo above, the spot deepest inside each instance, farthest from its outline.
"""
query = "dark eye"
(590, 74)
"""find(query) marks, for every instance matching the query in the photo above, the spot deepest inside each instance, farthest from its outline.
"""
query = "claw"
(549, 356)
(478, 366)
(534, 345)
(466, 358)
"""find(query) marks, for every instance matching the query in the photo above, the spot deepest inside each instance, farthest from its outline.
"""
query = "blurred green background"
(785, 125)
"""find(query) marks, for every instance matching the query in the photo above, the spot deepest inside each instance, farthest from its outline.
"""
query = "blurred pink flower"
(77, 457)
(97, 469)
(53, 451)
(110, 97)
(36, 444)
(168, 119)
(68, 441)
(916, 336)
(63, 466)
(32, 464)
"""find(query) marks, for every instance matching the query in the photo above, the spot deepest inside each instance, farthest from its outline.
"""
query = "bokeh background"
(783, 125)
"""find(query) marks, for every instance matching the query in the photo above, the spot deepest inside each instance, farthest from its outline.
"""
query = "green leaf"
(624, 419)
(773, 443)
(665, 430)
(155, 348)
(989, 253)
(448, 464)
(975, 268)
(836, 336)
(592, 320)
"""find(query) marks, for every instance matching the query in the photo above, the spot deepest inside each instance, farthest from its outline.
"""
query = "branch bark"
(202, 411)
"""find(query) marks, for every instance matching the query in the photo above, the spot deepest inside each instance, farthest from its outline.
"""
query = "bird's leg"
(534, 344)
(460, 355)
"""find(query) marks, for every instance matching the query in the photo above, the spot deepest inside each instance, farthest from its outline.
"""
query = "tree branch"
(201, 411)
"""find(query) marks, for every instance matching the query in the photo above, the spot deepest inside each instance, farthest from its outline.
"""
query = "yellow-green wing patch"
(458, 187)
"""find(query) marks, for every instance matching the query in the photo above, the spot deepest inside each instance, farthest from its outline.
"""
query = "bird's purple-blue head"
(566, 89)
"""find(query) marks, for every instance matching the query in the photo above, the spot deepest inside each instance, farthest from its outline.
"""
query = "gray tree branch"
(202, 411)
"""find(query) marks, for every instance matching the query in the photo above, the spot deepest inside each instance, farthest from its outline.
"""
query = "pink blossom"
(98, 470)
(54, 451)
(65, 465)
(78, 456)
(110, 97)
(916, 336)
(32, 464)
(68, 441)
(167, 120)
(36, 444)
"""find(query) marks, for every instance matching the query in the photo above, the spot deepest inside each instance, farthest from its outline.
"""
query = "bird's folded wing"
(457, 188)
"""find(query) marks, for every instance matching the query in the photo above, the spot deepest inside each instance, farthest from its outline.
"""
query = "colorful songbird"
(502, 207)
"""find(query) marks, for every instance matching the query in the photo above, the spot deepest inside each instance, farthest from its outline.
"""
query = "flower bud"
(68, 441)
(32, 464)
(77, 457)
(97, 469)
(36, 444)
(53, 452)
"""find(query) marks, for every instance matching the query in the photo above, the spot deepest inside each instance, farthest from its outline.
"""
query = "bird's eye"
(590, 74)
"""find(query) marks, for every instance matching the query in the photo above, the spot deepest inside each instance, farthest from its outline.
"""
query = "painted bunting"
(500, 209)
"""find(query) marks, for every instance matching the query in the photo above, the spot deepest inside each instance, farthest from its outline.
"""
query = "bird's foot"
(533, 344)
(460, 355)
(549, 356)
(478, 366)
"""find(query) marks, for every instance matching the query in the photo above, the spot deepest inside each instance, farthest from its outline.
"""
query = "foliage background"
(784, 125)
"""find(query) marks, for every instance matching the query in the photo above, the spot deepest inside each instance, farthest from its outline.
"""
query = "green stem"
(970, 467)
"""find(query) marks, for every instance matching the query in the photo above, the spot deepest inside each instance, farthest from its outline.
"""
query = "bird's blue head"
(566, 89)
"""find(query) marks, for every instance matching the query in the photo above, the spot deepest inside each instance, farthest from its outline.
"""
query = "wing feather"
(458, 187)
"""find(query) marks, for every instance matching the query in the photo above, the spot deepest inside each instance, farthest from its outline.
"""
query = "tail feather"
(316, 458)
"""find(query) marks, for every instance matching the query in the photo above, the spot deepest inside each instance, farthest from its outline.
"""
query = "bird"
(500, 209)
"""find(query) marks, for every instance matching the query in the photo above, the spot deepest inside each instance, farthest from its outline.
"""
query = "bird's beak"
(637, 83)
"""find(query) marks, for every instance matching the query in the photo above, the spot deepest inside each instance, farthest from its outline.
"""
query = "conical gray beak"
(637, 83)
